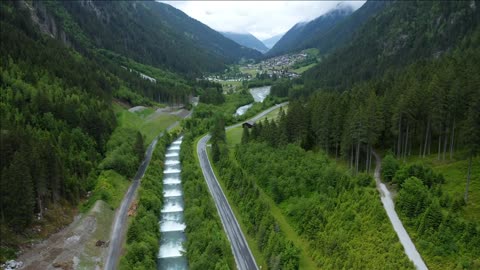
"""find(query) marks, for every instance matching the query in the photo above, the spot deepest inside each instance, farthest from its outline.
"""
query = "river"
(172, 223)
(259, 94)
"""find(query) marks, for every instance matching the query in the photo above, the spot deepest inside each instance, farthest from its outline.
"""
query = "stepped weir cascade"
(172, 223)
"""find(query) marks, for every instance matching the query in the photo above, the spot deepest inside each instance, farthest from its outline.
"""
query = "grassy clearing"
(149, 123)
(300, 70)
(274, 114)
(455, 173)
(234, 136)
(312, 51)
(250, 71)
(104, 216)
(232, 83)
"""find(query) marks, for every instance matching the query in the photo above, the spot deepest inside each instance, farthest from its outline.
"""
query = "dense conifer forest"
(57, 117)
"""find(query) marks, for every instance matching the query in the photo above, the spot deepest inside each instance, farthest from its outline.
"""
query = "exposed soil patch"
(73, 247)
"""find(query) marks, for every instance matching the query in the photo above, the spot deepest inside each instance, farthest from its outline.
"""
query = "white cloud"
(263, 19)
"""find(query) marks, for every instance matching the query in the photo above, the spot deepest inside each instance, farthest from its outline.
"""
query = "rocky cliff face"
(45, 21)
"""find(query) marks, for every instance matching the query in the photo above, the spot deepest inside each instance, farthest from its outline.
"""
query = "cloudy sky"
(263, 19)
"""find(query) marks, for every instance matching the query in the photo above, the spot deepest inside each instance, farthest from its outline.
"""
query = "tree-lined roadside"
(117, 237)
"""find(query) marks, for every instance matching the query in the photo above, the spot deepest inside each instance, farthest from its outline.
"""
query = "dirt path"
(389, 206)
(119, 225)
(75, 246)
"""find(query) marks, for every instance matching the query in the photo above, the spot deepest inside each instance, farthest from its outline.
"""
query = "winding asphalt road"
(120, 223)
(243, 256)
(389, 206)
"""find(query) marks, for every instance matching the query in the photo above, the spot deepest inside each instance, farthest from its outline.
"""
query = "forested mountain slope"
(296, 38)
(248, 40)
(149, 32)
(342, 32)
(56, 117)
(57, 120)
(403, 32)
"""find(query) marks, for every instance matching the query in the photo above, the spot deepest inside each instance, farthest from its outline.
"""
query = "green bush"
(424, 173)
(110, 187)
(389, 167)
(365, 180)
(122, 152)
(413, 197)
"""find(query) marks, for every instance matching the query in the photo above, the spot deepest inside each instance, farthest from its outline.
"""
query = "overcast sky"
(263, 19)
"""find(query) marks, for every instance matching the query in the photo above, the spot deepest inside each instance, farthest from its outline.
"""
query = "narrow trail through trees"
(389, 206)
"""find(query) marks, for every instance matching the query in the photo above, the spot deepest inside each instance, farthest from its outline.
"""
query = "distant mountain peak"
(340, 9)
(270, 42)
(343, 5)
(295, 39)
(247, 40)
(299, 25)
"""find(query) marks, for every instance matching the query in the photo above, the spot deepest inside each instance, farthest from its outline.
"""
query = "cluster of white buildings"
(283, 60)
(274, 67)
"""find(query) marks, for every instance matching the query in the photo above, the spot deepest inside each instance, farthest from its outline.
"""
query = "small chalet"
(248, 124)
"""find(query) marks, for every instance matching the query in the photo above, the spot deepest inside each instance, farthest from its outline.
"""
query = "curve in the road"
(241, 251)
(389, 206)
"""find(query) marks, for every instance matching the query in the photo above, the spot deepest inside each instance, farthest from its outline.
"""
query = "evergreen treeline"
(260, 224)
(207, 246)
(54, 123)
(339, 215)
(210, 93)
(430, 107)
(444, 238)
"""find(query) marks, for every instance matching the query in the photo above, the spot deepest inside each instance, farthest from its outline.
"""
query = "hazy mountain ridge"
(270, 42)
(246, 39)
(298, 36)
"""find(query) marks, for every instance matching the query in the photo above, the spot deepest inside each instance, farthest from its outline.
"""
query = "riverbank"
(258, 94)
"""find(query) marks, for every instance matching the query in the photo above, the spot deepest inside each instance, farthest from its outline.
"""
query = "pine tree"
(139, 146)
(18, 199)
(472, 136)
(245, 135)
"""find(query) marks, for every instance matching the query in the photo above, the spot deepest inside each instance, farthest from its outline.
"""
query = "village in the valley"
(288, 66)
